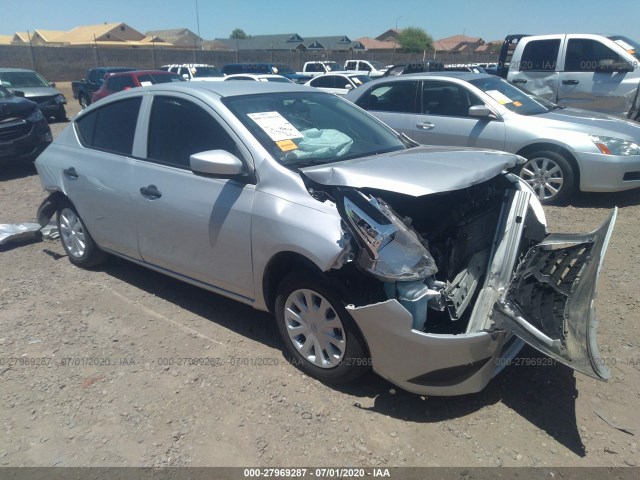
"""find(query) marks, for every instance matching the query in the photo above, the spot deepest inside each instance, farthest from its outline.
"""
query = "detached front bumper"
(547, 301)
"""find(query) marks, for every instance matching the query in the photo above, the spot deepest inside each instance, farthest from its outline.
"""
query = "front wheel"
(550, 175)
(76, 240)
(61, 115)
(319, 335)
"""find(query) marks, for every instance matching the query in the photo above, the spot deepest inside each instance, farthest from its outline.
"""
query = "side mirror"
(348, 86)
(52, 84)
(480, 111)
(185, 76)
(18, 93)
(216, 163)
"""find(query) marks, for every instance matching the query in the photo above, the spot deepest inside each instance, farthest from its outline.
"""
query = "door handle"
(425, 126)
(570, 82)
(519, 80)
(70, 172)
(151, 192)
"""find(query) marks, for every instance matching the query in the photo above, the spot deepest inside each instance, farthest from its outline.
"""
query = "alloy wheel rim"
(315, 328)
(544, 176)
(72, 233)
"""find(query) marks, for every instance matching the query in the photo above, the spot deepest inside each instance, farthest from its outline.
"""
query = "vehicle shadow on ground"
(605, 200)
(239, 318)
(15, 171)
(544, 395)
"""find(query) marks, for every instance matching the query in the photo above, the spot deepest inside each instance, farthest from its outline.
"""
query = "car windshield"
(629, 45)
(282, 70)
(509, 96)
(333, 66)
(360, 79)
(307, 128)
(206, 72)
(22, 79)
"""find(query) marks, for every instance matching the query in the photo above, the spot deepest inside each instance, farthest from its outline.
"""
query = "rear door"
(97, 178)
(534, 65)
(394, 103)
(589, 78)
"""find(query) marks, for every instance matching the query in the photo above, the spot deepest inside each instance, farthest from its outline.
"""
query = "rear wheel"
(320, 336)
(76, 240)
(550, 175)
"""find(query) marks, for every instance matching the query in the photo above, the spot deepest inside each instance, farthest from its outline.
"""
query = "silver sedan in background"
(566, 149)
(431, 265)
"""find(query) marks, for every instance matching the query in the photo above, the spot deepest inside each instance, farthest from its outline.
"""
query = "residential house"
(178, 37)
(291, 42)
(457, 44)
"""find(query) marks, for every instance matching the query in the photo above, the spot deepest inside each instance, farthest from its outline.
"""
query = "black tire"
(76, 240)
(61, 115)
(547, 171)
(354, 360)
(84, 101)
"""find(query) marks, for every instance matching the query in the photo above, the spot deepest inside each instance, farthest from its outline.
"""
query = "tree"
(414, 39)
(239, 34)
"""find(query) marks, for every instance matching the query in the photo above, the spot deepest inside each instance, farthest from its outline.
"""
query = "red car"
(116, 82)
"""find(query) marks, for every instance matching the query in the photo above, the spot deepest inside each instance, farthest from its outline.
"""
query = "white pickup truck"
(317, 68)
(592, 72)
(368, 67)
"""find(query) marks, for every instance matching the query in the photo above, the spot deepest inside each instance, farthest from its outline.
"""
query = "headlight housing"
(35, 116)
(59, 99)
(615, 146)
(390, 250)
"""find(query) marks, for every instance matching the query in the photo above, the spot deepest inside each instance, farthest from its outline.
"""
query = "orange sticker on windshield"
(286, 145)
(517, 104)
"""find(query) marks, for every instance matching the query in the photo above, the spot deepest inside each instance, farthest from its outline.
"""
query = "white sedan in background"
(338, 83)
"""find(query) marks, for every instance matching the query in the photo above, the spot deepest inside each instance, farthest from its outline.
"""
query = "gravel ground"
(96, 372)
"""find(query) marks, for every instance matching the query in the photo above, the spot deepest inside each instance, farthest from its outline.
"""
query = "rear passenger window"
(110, 128)
(540, 55)
(324, 82)
(179, 128)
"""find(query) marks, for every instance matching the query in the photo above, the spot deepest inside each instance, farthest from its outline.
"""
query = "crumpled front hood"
(417, 171)
(37, 91)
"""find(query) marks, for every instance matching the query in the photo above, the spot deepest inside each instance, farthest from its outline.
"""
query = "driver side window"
(179, 128)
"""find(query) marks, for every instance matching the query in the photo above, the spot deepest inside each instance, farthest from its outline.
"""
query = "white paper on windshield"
(146, 84)
(624, 45)
(275, 125)
(499, 97)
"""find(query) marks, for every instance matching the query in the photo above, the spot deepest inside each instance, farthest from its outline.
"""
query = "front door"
(192, 225)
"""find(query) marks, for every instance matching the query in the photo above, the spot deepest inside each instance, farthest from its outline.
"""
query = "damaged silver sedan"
(431, 265)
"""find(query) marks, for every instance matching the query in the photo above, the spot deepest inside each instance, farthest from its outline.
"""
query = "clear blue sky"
(488, 19)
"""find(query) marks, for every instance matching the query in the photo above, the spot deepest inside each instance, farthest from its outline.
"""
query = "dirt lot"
(98, 378)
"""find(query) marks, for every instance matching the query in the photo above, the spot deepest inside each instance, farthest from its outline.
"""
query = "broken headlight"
(390, 250)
